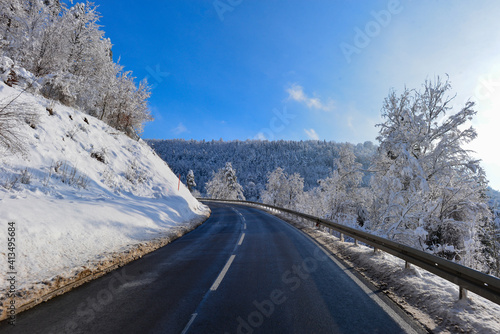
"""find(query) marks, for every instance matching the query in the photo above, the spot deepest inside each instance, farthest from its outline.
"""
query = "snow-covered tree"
(190, 180)
(340, 198)
(429, 191)
(283, 190)
(224, 184)
(128, 109)
(65, 48)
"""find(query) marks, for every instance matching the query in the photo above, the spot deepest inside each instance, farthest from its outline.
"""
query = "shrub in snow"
(99, 155)
(77, 128)
(12, 115)
(224, 184)
(70, 175)
(9, 119)
(10, 182)
(25, 176)
(32, 119)
(12, 79)
(109, 178)
(8, 73)
(6, 65)
(13, 75)
(135, 174)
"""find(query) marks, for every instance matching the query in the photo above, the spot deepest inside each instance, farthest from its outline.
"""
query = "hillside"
(254, 159)
(79, 193)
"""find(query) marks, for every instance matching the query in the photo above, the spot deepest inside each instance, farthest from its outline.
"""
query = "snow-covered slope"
(80, 192)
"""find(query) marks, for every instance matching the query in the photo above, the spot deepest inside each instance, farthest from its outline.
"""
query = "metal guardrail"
(466, 278)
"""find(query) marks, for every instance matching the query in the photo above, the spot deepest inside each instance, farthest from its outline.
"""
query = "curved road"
(242, 271)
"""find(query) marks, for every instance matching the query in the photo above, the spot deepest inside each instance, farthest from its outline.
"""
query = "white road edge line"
(241, 239)
(222, 274)
(189, 323)
(245, 226)
(406, 327)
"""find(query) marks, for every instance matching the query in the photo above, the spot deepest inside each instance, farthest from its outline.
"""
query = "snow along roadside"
(27, 298)
(426, 297)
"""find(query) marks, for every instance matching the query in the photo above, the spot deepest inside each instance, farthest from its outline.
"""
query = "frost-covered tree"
(190, 180)
(129, 112)
(340, 198)
(65, 48)
(429, 191)
(224, 184)
(283, 190)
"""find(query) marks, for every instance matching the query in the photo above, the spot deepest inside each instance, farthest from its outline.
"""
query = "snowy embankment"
(430, 299)
(81, 195)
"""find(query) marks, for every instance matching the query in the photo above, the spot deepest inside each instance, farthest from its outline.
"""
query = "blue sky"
(297, 70)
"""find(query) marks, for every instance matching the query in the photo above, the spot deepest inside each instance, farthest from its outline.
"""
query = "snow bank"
(81, 192)
(430, 299)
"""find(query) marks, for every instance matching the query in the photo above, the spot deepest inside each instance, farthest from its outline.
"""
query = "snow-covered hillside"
(80, 192)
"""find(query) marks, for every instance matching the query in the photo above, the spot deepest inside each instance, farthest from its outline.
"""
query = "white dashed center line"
(189, 323)
(241, 239)
(222, 274)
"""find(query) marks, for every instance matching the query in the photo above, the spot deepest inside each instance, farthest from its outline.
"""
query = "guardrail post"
(462, 293)
(407, 265)
(356, 242)
(342, 237)
(375, 250)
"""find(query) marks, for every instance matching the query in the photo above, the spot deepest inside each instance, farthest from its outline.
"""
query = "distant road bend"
(242, 271)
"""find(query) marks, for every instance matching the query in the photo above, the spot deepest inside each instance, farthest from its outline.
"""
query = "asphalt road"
(242, 271)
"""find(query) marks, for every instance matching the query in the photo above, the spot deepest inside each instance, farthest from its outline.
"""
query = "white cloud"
(311, 133)
(179, 129)
(296, 93)
(349, 122)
